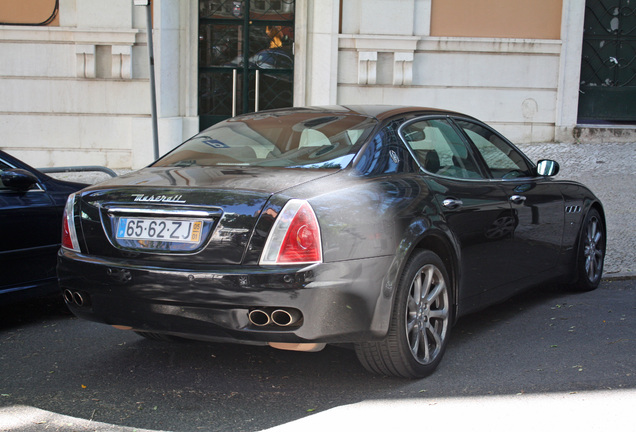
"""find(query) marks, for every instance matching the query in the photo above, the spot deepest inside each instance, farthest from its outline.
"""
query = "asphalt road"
(571, 357)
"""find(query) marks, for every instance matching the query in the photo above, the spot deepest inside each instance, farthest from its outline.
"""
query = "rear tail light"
(295, 236)
(69, 236)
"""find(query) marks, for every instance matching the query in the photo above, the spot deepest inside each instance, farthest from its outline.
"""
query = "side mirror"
(547, 168)
(18, 179)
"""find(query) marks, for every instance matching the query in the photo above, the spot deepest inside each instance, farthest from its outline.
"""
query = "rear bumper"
(338, 302)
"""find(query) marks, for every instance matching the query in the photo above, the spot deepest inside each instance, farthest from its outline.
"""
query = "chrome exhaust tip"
(68, 296)
(259, 318)
(78, 298)
(284, 318)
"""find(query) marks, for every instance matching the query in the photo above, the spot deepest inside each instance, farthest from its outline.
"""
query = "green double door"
(246, 57)
(608, 67)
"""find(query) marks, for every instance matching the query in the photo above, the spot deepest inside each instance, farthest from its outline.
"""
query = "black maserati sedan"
(31, 207)
(372, 226)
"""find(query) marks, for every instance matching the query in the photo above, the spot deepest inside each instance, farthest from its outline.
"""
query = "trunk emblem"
(159, 198)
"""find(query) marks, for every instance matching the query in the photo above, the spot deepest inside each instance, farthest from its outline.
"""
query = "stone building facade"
(75, 90)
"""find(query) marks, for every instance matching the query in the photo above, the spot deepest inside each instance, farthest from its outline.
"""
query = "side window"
(503, 161)
(385, 153)
(439, 149)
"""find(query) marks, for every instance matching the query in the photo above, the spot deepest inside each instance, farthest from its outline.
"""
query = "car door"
(475, 208)
(29, 226)
(537, 204)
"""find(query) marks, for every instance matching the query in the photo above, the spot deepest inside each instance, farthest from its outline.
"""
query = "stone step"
(604, 133)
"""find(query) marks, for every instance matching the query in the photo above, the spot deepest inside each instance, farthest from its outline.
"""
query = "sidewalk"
(609, 171)
(572, 411)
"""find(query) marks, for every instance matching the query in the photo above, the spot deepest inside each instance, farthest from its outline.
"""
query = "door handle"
(517, 199)
(234, 79)
(452, 204)
(257, 90)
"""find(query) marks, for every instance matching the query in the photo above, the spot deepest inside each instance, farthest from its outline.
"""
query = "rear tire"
(420, 322)
(591, 252)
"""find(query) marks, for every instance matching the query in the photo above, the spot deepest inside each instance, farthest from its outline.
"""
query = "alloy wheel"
(593, 249)
(427, 314)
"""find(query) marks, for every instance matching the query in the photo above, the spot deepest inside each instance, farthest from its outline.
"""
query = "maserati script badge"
(159, 198)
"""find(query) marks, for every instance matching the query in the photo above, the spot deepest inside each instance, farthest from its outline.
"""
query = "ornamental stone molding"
(85, 61)
(94, 47)
(122, 64)
(367, 67)
(401, 50)
(403, 68)
(109, 47)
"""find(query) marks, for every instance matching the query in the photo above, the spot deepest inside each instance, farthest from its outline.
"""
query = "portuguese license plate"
(167, 230)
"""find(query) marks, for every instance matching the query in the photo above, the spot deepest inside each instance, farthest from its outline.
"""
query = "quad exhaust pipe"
(282, 317)
(259, 318)
(285, 317)
(279, 317)
(76, 298)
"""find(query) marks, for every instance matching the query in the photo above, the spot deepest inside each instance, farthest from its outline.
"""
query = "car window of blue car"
(439, 149)
(503, 161)
(3, 167)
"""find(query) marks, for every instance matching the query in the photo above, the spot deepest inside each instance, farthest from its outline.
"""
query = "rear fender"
(422, 234)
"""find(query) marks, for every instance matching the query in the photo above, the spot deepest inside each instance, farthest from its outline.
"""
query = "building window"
(29, 12)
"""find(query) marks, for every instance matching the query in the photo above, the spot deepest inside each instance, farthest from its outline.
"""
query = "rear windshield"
(289, 139)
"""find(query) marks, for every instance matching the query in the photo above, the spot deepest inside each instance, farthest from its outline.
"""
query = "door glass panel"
(221, 9)
(220, 45)
(503, 160)
(272, 10)
(215, 93)
(271, 54)
(439, 149)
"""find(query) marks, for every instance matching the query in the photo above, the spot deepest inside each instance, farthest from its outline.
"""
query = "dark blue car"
(31, 207)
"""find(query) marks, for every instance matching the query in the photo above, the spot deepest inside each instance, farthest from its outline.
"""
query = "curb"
(619, 276)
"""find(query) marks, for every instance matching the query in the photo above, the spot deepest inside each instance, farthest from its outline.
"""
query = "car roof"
(380, 112)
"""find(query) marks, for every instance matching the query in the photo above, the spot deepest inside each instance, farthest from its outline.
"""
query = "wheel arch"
(592, 205)
(443, 247)
(598, 207)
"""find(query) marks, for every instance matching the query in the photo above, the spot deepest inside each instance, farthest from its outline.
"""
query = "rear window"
(289, 139)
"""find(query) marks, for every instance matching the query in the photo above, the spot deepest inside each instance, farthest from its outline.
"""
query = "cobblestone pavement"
(609, 170)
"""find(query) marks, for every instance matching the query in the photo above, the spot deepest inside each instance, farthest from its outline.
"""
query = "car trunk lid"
(164, 214)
